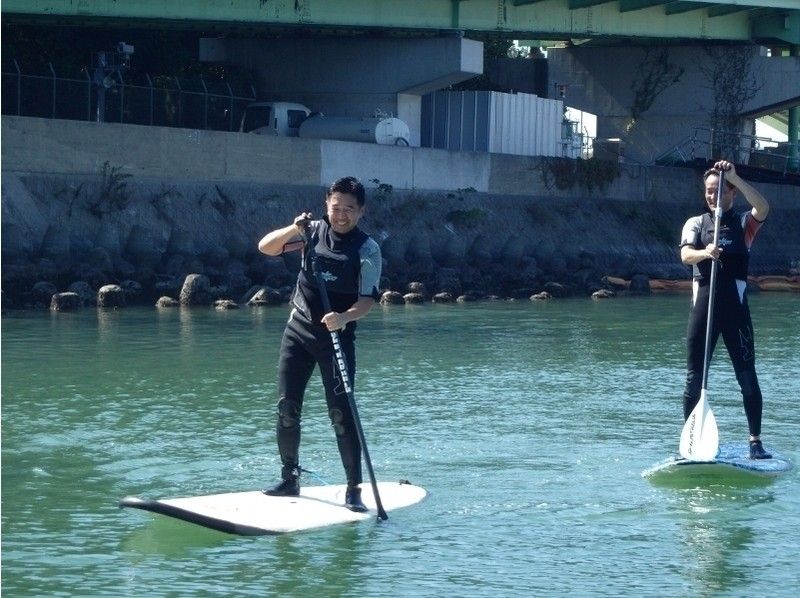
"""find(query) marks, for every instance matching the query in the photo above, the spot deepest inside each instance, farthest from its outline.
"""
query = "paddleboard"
(254, 513)
(731, 463)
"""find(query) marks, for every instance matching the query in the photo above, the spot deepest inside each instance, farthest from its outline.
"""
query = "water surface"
(529, 424)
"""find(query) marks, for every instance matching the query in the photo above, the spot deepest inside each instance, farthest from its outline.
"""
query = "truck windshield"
(256, 117)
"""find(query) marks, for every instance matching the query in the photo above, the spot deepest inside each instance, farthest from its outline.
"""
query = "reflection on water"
(332, 562)
(716, 534)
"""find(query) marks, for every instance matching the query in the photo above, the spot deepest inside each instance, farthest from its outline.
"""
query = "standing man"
(350, 262)
(731, 312)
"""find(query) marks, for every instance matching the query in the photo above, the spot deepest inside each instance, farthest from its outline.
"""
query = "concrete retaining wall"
(43, 146)
(37, 145)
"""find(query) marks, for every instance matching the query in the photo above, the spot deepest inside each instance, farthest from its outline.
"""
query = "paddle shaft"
(712, 286)
(341, 365)
(700, 436)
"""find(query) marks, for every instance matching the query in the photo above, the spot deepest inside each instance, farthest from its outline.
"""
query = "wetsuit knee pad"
(288, 413)
(337, 421)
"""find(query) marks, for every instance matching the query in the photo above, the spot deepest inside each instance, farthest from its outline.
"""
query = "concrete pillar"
(675, 112)
(792, 129)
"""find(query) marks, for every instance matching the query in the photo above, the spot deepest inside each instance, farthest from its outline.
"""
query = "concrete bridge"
(767, 22)
(651, 70)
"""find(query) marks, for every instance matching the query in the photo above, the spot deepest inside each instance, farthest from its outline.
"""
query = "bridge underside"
(768, 22)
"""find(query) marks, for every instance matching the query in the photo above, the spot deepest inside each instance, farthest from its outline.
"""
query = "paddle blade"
(700, 437)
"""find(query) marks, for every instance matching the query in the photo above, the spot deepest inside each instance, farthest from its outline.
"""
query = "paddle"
(700, 437)
(341, 365)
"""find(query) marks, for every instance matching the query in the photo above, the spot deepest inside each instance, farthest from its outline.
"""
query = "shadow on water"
(723, 479)
(171, 538)
(287, 564)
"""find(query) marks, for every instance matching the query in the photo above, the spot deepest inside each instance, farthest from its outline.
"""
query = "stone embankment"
(112, 240)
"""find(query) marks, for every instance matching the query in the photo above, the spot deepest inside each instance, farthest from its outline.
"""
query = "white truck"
(288, 119)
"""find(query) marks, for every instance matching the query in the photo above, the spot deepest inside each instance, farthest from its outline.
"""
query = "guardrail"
(708, 144)
(165, 103)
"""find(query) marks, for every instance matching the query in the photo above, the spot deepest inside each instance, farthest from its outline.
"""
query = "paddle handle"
(341, 365)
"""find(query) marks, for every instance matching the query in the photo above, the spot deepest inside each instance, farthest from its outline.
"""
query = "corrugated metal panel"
(482, 112)
(439, 120)
(454, 120)
(426, 121)
(525, 125)
(484, 121)
(470, 109)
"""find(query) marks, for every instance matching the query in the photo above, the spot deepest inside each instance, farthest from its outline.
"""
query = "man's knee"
(288, 413)
(338, 421)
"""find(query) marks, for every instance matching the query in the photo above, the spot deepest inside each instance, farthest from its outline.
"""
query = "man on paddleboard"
(350, 262)
(731, 315)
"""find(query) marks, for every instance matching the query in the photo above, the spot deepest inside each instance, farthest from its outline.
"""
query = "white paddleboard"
(733, 462)
(254, 513)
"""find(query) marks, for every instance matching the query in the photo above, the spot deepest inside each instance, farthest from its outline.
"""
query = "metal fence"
(167, 103)
(708, 144)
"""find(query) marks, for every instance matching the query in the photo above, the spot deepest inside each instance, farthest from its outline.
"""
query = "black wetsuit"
(731, 312)
(350, 265)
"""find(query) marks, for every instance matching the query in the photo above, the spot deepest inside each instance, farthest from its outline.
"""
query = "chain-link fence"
(166, 102)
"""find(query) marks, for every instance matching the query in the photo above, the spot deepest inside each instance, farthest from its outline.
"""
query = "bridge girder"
(764, 21)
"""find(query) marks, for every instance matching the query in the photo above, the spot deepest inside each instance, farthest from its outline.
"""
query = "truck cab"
(273, 118)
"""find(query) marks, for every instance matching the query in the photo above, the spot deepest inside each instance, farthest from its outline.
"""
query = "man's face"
(728, 194)
(343, 212)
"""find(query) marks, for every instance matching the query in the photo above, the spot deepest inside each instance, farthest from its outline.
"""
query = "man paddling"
(731, 315)
(350, 262)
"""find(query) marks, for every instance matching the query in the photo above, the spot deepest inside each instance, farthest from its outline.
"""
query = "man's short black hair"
(350, 185)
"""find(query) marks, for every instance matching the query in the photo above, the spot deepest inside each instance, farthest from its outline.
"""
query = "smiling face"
(728, 193)
(343, 212)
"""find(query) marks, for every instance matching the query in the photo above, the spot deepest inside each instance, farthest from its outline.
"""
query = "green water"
(529, 424)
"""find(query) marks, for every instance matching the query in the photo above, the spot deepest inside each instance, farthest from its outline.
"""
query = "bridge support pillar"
(792, 130)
